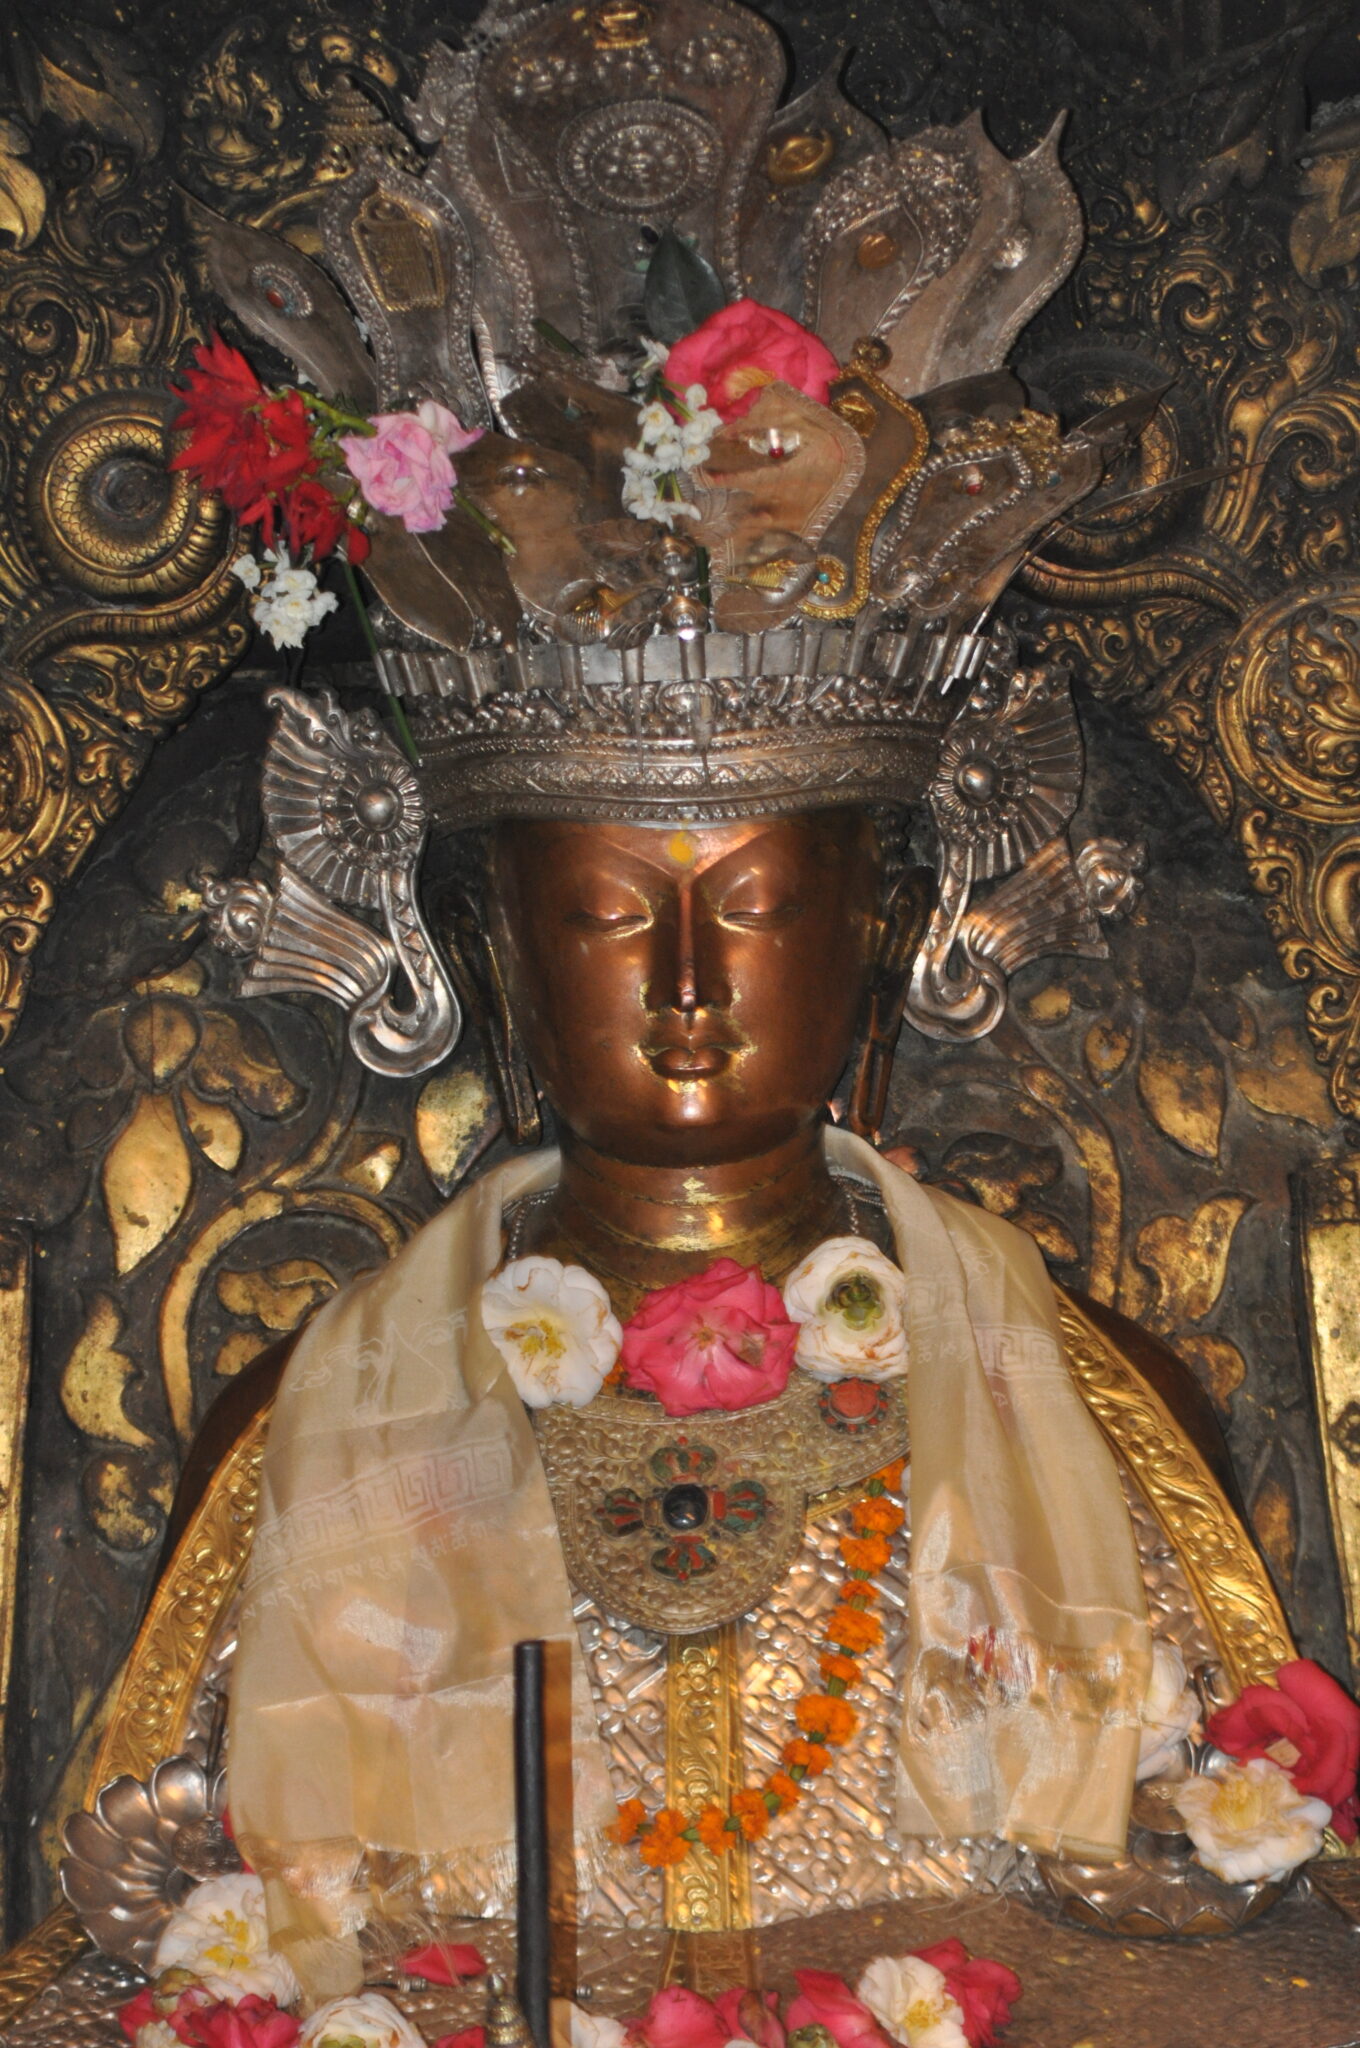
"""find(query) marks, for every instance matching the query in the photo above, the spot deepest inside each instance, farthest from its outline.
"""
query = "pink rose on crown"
(720, 1340)
(742, 348)
(404, 466)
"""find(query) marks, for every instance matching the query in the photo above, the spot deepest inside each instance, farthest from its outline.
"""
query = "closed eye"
(608, 920)
(773, 919)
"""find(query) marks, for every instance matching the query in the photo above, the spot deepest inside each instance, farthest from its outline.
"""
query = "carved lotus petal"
(133, 1859)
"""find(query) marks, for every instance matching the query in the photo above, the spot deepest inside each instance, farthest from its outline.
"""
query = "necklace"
(825, 1720)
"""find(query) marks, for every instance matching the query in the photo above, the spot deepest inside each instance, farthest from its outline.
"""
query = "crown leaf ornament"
(681, 455)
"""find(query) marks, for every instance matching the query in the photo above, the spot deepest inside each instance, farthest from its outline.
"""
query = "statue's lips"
(700, 1061)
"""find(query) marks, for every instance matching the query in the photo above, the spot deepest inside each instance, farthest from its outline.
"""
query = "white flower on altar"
(156, 2034)
(851, 1302)
(290, 603)
(364, 2020)
(571, 2027)
(1247, 1821)
(1170, 1710)
(247, 570)
(553, 1326)
(910, 2000)
(221, 1936)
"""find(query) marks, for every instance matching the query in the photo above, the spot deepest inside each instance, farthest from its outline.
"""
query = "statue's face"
(687, 997)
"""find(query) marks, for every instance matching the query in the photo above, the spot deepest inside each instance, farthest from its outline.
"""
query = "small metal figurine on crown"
(659, 597)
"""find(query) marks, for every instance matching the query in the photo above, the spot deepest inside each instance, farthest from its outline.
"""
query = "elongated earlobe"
(905, 916)
(476, 973)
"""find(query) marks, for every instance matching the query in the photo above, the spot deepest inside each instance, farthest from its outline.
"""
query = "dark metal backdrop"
(183, 1175)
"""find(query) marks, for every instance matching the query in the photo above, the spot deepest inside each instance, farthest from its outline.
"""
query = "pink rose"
(1306, 1723)
(679, 2019)
(826, 2000)
(403, 467)
(748, 2017)
(983, 1990)
(721, 1340)
(444, 1962)
(249, 2023)
(746, 346)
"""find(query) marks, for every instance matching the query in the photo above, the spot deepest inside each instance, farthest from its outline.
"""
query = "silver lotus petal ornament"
(138, 1854)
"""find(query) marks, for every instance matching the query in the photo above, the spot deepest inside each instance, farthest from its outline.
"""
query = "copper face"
(687, 996)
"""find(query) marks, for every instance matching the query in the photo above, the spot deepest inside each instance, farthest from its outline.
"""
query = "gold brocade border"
(33, 1963)
(1225, 1570)
(16, 1321)
(705, 1894)
(173, 1641)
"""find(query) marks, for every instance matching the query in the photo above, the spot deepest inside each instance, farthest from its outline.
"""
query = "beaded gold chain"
(826, 1720)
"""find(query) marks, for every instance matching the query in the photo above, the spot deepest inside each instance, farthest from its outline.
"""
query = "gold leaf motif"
(1275, 1523)
(1052, 1239)
(1290, 1083)
(96, 1375)
(188, 979)
(215, 1129)
(1188, 1259)
(449, 1115)
(278, 1296)
(23, 200)
(1049, 1006)
(121, 1504)
(147, 1179)
(240, 1349)
(160, 1036)
(1105, 1049)
(235, 1058)
(1183, 1091)
(1218, 1363)
(368, 1162)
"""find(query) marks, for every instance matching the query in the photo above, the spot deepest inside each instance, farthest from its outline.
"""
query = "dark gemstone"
(684, 1507)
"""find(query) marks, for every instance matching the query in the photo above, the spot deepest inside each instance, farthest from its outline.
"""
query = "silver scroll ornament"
(1006, 785)
(136, 1856)
(345, 815)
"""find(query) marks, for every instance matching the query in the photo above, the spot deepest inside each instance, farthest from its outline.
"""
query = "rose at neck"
(687, 999)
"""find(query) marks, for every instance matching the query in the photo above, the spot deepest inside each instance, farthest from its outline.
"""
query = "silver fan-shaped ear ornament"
(134, 1859)
(344, 811)
(1008, 781)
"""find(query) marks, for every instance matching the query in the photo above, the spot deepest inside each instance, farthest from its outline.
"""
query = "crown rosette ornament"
(679, 452)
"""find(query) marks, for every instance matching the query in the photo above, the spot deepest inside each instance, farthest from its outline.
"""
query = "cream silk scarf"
(405, 1541)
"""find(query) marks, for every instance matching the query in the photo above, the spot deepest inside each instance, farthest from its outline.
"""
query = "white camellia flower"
(364, 2020)
(851, 1302)
(910, 1999)
(571, 2027)
(1170, 1710)
(553, 1326)
(221, 1935)
(1247, 1821)
(156, 2034)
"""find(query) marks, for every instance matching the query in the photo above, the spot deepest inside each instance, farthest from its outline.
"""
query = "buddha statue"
(858, 1545)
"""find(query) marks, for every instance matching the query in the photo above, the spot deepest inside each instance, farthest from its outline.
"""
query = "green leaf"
(681, 290)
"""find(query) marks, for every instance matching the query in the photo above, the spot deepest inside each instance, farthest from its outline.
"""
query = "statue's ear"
(475, 970)
(905, 916)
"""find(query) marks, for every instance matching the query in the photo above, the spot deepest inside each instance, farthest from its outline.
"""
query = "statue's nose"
(690, 974)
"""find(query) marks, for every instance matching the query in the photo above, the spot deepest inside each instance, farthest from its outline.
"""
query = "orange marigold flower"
(865, 1553)
(854, 1630)
(809, 1755)
(825, 1719)
(752, 1813)
(881, 1515)
(632, 1814)
(664, 1842)
(891, 1475)
(833, 1665)
(784, 1789)
(859, 1590)
(714, 1832)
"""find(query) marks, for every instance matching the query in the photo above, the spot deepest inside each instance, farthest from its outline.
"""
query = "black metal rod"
(531, 1841)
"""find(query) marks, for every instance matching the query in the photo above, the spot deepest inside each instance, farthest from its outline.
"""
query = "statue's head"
(687, 995)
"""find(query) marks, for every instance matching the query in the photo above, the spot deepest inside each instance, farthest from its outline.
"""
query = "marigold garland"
(826, 1720)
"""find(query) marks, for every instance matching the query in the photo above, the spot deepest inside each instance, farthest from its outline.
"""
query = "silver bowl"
(140, 1852)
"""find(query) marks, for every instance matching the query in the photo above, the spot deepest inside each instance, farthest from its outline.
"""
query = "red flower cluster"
(256, 451)
(742, 348)
(201, 2022)
(1307, 1724)
(984, 1992)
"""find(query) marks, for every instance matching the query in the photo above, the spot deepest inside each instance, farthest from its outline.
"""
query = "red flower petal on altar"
(826, 2000)
(1313, 1715)
(444, 1962)
(984, 1991)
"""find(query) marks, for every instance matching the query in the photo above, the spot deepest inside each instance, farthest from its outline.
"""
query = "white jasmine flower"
(247, 570)
(364, 2020)
(290, 602)
(696, 398)
(221, 1935)
(851, 1302)
(910, 1999)
(668, 452)
(553, 1326)
(640, 496)
(655, 356)
(1169, 1711)
(570, 2027)
(654, 420)
(1247, 1821)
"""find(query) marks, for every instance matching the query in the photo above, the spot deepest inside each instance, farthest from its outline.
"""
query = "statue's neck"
(641, 1227)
